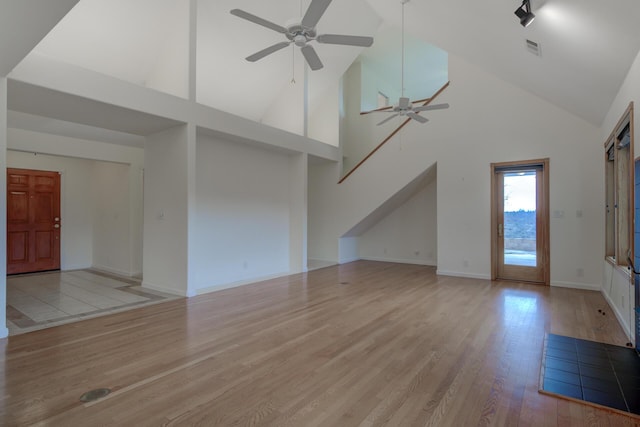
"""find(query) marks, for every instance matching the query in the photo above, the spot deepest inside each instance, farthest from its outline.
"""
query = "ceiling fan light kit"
(302, 33)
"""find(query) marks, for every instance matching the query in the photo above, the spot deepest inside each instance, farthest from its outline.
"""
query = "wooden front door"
(33, 221)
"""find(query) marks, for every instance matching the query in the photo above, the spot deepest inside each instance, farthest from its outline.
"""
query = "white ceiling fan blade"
(345, 40)
(314, 13)
(257, 20)
(431, 107)
(387, 119)
(268, 51)
(403, 103)
(417, 117)
(312, 58)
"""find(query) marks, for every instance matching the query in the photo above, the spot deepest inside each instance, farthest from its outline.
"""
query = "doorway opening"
(520, 221)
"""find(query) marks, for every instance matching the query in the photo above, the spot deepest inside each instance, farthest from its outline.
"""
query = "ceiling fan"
(405, 107)
(301, 33)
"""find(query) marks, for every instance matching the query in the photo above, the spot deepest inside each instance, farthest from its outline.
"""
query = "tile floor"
(599, 373)
(42, 300)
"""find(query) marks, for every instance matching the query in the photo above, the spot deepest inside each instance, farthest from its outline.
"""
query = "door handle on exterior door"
(56, 225)
(499, 230)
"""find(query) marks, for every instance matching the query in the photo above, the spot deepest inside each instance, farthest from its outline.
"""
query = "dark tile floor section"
(600, 373)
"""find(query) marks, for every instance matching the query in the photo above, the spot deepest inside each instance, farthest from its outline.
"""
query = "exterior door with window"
(33, 221)
(520, 242)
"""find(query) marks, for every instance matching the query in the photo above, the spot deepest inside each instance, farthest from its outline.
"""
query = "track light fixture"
(524, 13)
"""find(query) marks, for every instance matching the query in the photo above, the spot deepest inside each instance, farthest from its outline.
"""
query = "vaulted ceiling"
(587, 46)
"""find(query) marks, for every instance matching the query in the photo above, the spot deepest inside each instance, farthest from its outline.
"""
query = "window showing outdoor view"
(520, 218)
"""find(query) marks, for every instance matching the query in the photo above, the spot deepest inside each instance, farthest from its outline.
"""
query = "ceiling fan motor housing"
(300, 35)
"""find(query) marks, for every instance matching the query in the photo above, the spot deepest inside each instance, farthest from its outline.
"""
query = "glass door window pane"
(520, 218)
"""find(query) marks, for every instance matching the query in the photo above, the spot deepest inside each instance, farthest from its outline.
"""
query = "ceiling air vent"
(533, 47)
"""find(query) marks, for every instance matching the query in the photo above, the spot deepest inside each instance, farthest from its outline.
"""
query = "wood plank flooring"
(362, 344)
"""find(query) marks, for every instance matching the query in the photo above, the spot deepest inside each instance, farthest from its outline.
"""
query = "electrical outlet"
(580, 272)
(465, 263)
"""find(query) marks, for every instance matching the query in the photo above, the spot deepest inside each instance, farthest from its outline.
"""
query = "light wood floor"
(365, 343)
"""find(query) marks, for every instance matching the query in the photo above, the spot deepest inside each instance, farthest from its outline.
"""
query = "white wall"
(321, 241)
(3, 209)
(360, 131)
(242, 214)
(298, 178)
(171, 73)
(166, 212)
(111, 227)
(619, 292)
(324, 116)
(615, 284)
(288, 110)
(406, 235)
(489, 121)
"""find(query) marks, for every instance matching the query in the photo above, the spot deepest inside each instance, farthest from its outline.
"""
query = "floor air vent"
(96, 394)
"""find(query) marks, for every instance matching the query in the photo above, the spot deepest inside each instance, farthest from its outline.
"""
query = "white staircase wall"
(489, 121)
(406, 235)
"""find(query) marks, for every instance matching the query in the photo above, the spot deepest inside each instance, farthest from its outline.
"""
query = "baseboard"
(111, 270)
(323, 260)
(74, 267)
(348, 260)
(619, 316)
(401, 261)
(222, 286)
(574, 285)
(167, 290)
(4, 332)
(464, 275)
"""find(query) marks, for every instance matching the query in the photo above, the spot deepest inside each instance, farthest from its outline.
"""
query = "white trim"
(74, 267)
(619, 316)
(222, 286)
(348, 260)
(402, 261)
(4, 332)
(332, 261)
(574, 285)
(166, 290)
(464, 275)
(112, 270)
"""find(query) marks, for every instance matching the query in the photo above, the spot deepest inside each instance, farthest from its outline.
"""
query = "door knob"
(56, 225)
